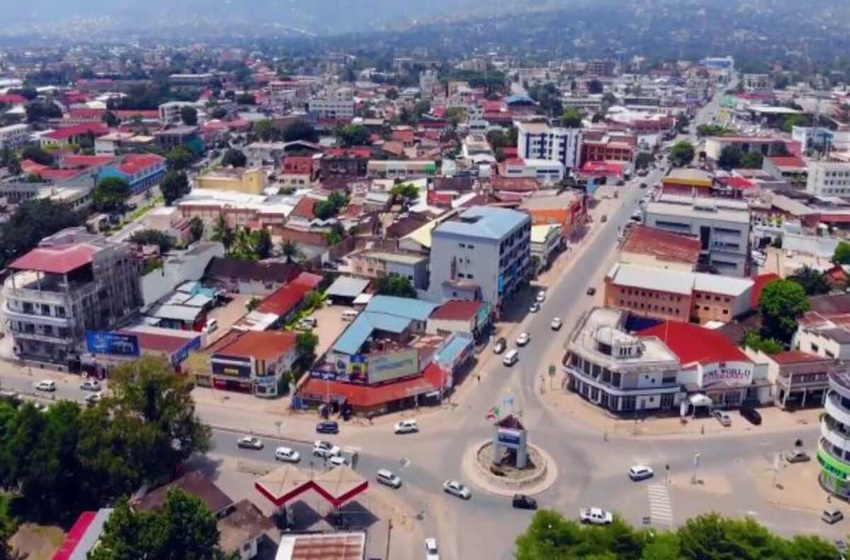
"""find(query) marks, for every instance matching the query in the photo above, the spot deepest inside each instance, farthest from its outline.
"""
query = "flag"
(494, 413)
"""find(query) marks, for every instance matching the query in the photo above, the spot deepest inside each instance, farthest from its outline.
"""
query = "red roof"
(510, 151)
(759, 282)
(134, 163)
(795, 357)
(286, 298)
(98, 129)
(361, 151)
(29, 166)
(457, 310)
(602, 168)
(157, 342)
(694, 344)
(515, 184)
(13, 99)
(75, 535)
(54, 174)
(56, 260)
(787, 161)
(73, 160)
(298, 164)
(664, 245)
(263, 345)
(737, 182)
(304, 208)
(432, 379)
(128, 114)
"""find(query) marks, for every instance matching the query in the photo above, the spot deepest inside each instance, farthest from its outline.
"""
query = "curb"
(267, 435)
(544, 481)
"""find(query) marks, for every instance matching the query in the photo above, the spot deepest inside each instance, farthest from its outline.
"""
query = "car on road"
(325, 449)
(541, 296)
(94, 398)
(250, 442)
(406, 427)
(832, 515)
(640, 472)
(388, 478)
(595, 516)
(556, 324)
(797, 456)
(327, 427)
(337, 461)
(286, 455)
(591, 291)
(510, 358)
(521, 501)
(751, 414)
(456, 488)
(46, 385)
(722, 417)
(534, 308)
(523, 339)
(90, 385)
(604, 218)
(500, 345)
(431, 552)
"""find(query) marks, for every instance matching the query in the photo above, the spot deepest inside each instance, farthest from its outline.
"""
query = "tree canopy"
(813, 282)
(730, 157)
(32, 221)
(38, 155)
(223, 233)
(781, 302)
(405, 191)
(174, 186)
(180, 158)
(189, 115)
(352, 135)
(300, 130)
(395, 285)
(153, 237)
(681, 154)
(841, 255)
(571, 118)
(643, 160)
(111, 193)
(251, 245)
(706, 537)
(235, 158)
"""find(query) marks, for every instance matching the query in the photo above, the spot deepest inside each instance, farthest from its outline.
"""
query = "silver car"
(456, 488)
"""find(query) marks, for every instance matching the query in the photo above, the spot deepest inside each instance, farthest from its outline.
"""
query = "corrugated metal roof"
(486, 222)
(672, 281)
(345, 286)
(726, 285)
(414, 309)
(362, 327)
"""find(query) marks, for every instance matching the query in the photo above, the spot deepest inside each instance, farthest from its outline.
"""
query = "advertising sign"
(386, 367)
(732, 374)
(183, 353)
(230, 367)
(112, 344)
(509, 438)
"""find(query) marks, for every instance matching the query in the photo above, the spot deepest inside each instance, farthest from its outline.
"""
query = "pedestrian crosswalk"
(660, 507)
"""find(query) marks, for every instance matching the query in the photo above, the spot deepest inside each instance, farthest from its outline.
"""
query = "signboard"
(180, 355)
(732, 374)
(509, 438)
(230, 367)
(387, 367)
(112, 344)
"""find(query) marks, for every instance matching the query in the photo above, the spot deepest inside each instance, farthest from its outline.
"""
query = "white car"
(46, 385)
(250, 442)
(535, 307)
(337, 461)
(456, 488)
(388, 478)
(431, 550)
(556, 324)
(523, 339)
(541, 296)
(325, 449)
(286, 455)
(90, 385)
(406, 427)
(94, 398)
(640, 472)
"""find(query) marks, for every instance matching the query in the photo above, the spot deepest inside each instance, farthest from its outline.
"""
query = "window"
(814, 347)
(615, 379)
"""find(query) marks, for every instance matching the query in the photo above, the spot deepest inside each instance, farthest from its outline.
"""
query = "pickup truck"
(595, 516)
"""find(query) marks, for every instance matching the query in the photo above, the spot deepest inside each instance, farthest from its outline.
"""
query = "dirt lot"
(330, 325)
(228, 315)
(37, 542)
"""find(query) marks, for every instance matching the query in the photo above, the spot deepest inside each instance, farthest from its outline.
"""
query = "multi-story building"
(618, 371)
(14, 136)
(484, 253)
(140, 171)
(247, 181)
(375, 264)
(400, 169)
(336, 105)
(601, 67)
(170, 112)
(73, 282)
(765, 145)
(831, 178)
(722, 227)
(604, 146)
(540, 169)
(833, 451)
(539, 141)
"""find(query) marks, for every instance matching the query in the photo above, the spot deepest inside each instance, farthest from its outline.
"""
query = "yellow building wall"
(252, 181)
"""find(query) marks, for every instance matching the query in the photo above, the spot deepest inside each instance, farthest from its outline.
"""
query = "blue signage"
(112, 344)
(183, 353)
(509, 439)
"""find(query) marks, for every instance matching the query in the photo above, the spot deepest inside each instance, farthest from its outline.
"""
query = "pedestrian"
(478, 377)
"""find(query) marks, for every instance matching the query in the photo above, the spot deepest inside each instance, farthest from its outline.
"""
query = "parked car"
(797, 456)
(456, 488)
(595, 516)
(640, 472)
(521, 501)
(541, 296)
(90, 385)
(431, 552)
(94, 398)
(534, 308)
(500, 346)
(406, 427)
(250, 442)
(327, 427)
(308, 323)
(591, 291)
(388, 478)
(752, 415)
(523, 339)
(337, 461)
(832, 515)
(286, 455)
(722, 417)
(46, 385)
(325, 449)
(556, 324)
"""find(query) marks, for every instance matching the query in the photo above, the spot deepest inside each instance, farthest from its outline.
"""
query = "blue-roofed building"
(364, 326)
(413, 309)
(483, 254)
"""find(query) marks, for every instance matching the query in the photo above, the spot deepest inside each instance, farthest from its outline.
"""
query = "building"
(722, 227)
(542, 170)
(72, 134)
(829, 178)
(687, 182)
(677, 295)
(171, 112)
(374, 264)
(765, 145)
(600, 67)
(800, 379)
(14, 136)
(400, 169)
(539, 141)
(833, 451)
(823, 330)
(72, 283)
(332, 109)
(656, 248)
(483, 253)
(140, 171)
(325, 546)
(247, 181)
(472, 317)
(618, 371)
(174, 136)
(547, 241)
(251, 362)
(607, 146)
(251, 278)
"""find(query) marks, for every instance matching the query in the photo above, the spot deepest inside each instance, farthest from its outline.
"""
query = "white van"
(211, 326)
(349, 315)
(511, 357)
(388, 478)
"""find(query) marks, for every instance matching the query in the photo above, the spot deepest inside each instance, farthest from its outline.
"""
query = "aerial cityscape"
(374, 280)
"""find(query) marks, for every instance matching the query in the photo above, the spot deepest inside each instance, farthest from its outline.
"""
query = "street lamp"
(696, 466)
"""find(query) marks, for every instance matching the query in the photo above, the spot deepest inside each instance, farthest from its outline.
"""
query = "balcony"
(40, 336)
(837, 437)
(616, 391)
(833, 408)
(35, 317)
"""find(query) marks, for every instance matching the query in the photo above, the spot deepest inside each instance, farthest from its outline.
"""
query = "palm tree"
(290, 250)
(223, 233)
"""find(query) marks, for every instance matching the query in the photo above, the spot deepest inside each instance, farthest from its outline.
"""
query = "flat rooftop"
(703, 211)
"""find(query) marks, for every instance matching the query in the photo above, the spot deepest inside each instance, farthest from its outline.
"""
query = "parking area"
(329, 325)
(227, 315)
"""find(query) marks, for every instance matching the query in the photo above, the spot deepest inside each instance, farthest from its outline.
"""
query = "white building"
(541, 169)
(830, 178)
(169, 113)
(547, 240)
(540, 141)
(14, 136)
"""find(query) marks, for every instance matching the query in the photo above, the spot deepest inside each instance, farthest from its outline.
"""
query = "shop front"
(834, 473)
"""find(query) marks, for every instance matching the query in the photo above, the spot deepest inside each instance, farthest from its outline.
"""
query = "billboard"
(735, 374)
(183, 353)
(112, 344)
(387, 367)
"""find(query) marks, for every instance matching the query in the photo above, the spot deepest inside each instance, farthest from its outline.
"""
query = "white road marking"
(660, 507)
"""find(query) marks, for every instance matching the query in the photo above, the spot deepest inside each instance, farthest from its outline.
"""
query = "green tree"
(180, 158)
(813, 282)
(153, 237)
(30, 222)
(223, 233)
(110, 119)
(305, 344)
(730, 157)
(496, 139)
(753, 340)
(752, 160)
(196, 228)
(245, 99)
(290, 250)
(405, 192)
(643, 160)
(571, 118)
(38, 111)
(218, 113)
(781, 302)
(595, 87)
(704, 130)
(789, 122)
(267, 131)
(681, 154)
(300, 130)
(37, 155)
(234, 158)
(841, 255)
(189, 115)
(335, 235)
(174, 186)
(395, 285)
(111, 193)
(352, 135)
